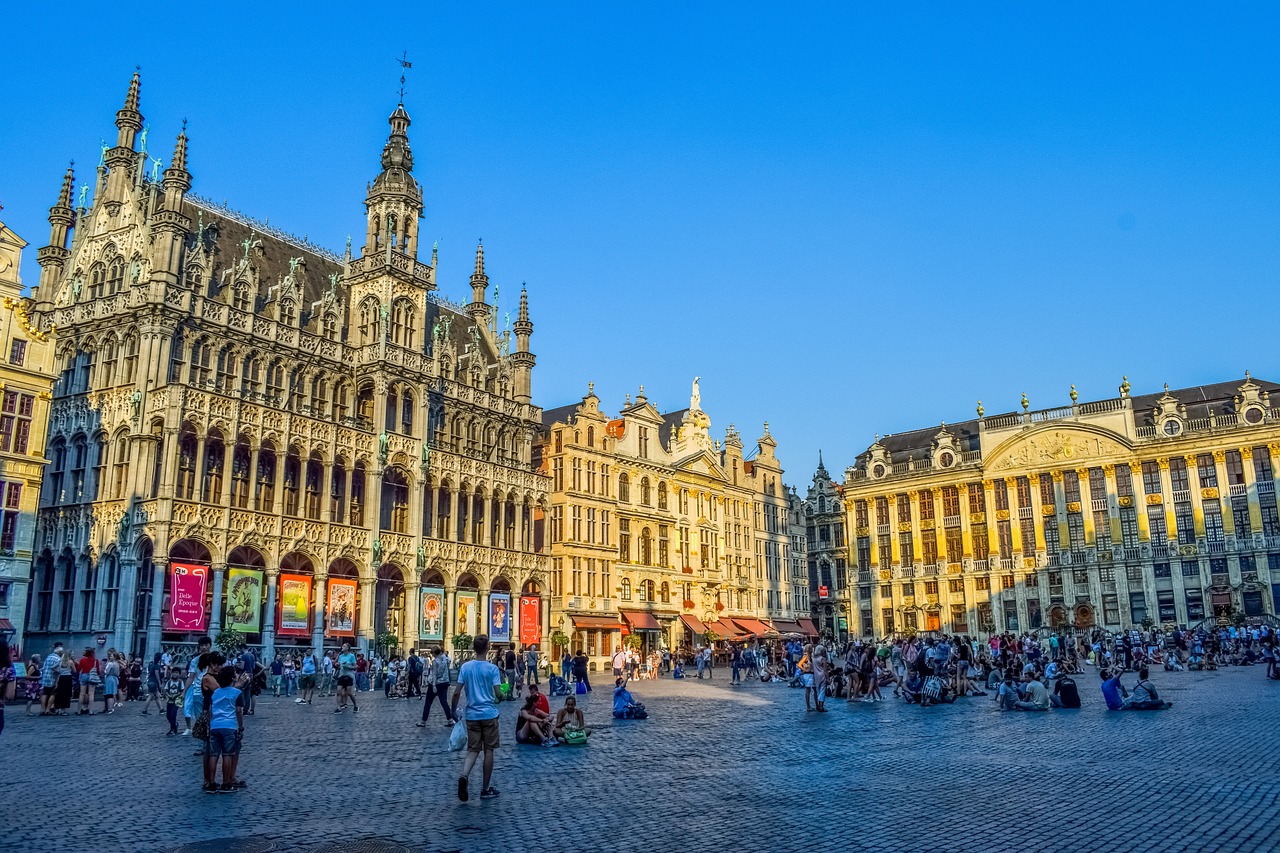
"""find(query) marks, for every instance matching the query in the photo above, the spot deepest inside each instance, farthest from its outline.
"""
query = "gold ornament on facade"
(1209, 493)
(1246, 453)
(904, 527)
(1073, 506)
(1056, 475)
(1048, 509)
(1124, 500)
(928, 524)
(1028, 562)
(1152, 500)
(864, 531)
(1219, 456)
(885, 575)
(1002, 515)
(977, 517)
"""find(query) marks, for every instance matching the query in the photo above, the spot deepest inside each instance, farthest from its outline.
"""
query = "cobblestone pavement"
(714, 767)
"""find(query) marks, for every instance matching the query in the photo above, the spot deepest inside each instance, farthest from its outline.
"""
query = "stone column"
(160, 563)
(412, 613)
(450, 611)
(318, 589)
(219, 571)
(364, 630)
(124, 628)
(269, 618)
(483, 620)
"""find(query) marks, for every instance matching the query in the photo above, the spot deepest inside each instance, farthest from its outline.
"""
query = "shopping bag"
(506, 689)
(458, 736)
(581, 688)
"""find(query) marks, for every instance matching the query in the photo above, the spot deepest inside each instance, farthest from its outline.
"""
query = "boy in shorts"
(226, 731)
(482, 682)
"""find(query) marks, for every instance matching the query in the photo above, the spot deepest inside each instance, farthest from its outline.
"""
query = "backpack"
(415, 665)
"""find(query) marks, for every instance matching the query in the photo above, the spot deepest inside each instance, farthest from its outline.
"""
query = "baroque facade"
(26, 377)
(315, 447)
(657, 529)
(1152, 509)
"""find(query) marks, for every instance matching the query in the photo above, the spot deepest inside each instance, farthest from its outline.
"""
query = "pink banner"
(530, 619)
(186, 598)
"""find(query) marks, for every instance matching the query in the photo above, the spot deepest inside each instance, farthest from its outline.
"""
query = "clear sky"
(847, 219)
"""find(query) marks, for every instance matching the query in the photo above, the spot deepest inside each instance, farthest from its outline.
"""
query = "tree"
(386, 643)
(559, 639)
(633, 641)
(710, 636)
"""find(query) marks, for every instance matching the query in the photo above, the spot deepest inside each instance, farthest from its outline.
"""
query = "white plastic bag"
(458, 736)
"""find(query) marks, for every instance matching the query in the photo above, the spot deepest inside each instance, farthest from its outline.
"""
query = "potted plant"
(230, 642)
(386, 643)
(559, 640)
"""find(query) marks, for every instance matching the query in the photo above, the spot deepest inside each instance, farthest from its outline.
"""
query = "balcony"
(1237, 490)
(1214, 546)
(951, 521)
(1266, 487)
(1099, 504)
(1025, 512)
(1182, 496)
(981, 565)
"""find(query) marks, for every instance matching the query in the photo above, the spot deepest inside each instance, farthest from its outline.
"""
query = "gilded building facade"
(26, 377)
(1135, 510)
(657, 529)
(315, 447)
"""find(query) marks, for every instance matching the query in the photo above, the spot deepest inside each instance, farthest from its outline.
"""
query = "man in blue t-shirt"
(1112, 690)
(482, 682)
(624, 704)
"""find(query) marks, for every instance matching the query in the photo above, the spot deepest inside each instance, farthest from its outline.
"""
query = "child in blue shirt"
(226, 730)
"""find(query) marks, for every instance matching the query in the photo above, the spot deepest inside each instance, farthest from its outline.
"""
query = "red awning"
(807, 627)
(782, 626)
(641, 620)
(596, 623)
(725, 628)
(753, 626)
(693, 623)
(6, 625)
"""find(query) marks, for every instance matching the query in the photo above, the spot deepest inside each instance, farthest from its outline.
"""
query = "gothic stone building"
(250, 414)
(1134, 510)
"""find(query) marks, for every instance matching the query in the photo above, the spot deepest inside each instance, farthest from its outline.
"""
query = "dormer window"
(288, 313)
(240, 296)
(1172, 427)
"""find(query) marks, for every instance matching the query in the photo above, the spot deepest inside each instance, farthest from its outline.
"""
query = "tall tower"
(170, 224)
(53, 257)
(522, 359)
(122, 161)
(394, 200)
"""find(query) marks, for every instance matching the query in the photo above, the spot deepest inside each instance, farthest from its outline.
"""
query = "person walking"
(110, 681)
(49, 680)
(194, 673)
(156, 673)
(32, 688)
(438, 687)
(308, 681)
(346, 680)
(413, 674)
(482, 682)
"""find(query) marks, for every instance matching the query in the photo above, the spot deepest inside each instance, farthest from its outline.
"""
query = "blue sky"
(847, 219)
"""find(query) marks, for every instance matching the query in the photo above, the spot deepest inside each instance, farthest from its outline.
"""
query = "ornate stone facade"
(26, 377)
(828, 554)
(1127, 511)
(231, 396)
(657, 529)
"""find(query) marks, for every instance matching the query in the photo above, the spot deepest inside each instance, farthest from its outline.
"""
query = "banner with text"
(342, 608)
(244, 600)
(186, 598)
(432, 613)
(294, 619)
(530, 619)
(500, 617)
(467, 617)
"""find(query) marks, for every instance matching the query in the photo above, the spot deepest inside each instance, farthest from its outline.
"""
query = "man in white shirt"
(482, 682)
(619, 661)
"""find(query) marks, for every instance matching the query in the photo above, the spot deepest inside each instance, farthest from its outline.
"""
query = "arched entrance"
(343, 601)
(388, 609)
(244, 591)
(465, 618)
(294, 622)
(501, 625)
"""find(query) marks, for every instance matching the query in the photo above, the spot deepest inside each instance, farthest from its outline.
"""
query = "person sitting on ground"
(1112, 690)
(1007, 697)
(625, 706)
(1145, 697)
(913, 687)
(570, 719)
(1035, 696)
(1065, 694)
(532, 725)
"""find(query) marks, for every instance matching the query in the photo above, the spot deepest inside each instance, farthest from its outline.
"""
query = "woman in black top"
(580, 669)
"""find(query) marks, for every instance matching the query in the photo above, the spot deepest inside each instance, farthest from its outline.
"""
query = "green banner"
(244, 600)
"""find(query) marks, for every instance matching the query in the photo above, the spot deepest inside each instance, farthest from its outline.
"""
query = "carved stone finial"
(1124, 386)
(591, 389)
(1026, 403)
(981, 411)
(1074, 396)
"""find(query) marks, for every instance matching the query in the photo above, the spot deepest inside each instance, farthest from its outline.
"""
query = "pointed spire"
(179, 160)
(480, 258)
(822, 469)
(524, 305)
(131, 98)
(68, 186)
(435, 253)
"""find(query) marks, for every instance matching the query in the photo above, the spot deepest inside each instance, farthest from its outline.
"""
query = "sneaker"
(489, 793)
(227, 788)
(170, 734)
(339, 709)
(239, 784)
(421, 725)
(186, 732)
(209, 788)
(299, 701)
(462, 789)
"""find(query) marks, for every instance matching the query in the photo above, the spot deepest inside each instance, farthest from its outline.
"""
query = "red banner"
(530, 619)
(186, 598)
(342, 608)
(294, 610)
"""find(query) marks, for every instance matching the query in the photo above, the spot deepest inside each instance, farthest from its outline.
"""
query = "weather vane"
(405, 65)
